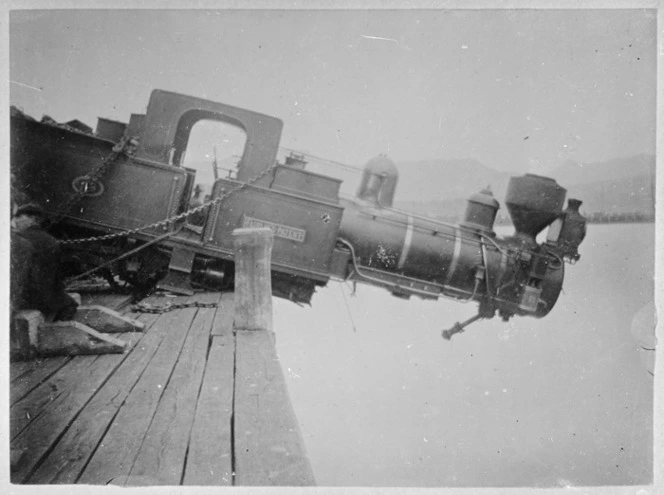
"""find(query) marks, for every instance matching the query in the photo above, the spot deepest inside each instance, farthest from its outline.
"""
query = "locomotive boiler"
(120, 202)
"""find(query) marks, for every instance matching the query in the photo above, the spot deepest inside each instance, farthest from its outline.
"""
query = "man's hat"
(30, 209)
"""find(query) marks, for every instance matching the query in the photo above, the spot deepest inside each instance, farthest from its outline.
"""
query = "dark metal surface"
(305, 230)
(144, 194)
(49, 160)
(171, 116)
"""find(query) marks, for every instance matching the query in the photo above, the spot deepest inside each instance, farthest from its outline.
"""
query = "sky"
(518, 90)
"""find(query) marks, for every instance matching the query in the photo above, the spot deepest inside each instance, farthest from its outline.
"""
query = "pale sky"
(578, 84)
(518, 90)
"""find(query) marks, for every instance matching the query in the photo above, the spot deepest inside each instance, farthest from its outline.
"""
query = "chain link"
(122, 146)
(165, 222)
(143, 307)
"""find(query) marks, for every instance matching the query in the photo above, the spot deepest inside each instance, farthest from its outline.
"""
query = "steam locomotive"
(119, 198)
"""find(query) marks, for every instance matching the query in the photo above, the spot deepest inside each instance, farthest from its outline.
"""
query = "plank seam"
(163, 390)
(117, 411)
(39, 414)
(233, 476)
(17, 378)
(40, 462)
(43, 410)
(163, 341)
(71, 421)
(198, 395)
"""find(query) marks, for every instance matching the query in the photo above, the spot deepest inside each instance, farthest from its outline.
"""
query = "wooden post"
(23, 333)
(268, 446)
(253, 285)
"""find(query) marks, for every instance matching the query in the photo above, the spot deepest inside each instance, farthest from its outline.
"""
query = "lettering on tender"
(279, 230)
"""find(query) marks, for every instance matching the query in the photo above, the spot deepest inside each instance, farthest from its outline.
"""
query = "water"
(383, 400)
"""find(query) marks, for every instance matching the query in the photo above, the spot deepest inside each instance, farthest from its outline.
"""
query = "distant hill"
(626, 195)
(439, 188)
(574, 173)
(621, 185)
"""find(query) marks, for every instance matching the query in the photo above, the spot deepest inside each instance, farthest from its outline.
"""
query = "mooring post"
(253, 284)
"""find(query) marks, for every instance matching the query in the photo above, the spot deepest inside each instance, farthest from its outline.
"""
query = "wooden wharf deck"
(193, 402)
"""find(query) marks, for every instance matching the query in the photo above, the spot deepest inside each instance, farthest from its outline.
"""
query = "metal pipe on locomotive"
(127, 209)
(415, 255)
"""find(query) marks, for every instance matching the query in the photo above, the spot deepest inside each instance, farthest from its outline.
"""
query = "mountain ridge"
(440, 187)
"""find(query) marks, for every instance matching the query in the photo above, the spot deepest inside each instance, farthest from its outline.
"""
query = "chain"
(143, 307)
(118, 149)
(165, 222)
(125, 255)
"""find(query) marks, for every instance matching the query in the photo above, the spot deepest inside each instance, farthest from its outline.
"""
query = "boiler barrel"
(403, 245)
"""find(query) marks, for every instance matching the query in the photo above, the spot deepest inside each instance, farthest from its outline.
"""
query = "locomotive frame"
(121, 198)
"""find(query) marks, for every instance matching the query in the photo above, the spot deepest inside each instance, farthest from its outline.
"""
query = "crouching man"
(36, 267)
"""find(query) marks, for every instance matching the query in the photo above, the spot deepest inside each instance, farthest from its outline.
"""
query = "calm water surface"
(383, 400)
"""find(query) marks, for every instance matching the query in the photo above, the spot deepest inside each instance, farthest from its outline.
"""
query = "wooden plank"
(117, 302)
(24, 328)
(19, 368)
(42, 397)
(31, 374)
(162, 455)
(107, 320)
(39, 438)
(67, 460)
(223, 322)
(27, 375)
(117, 451)
(209, 461)
(73, 338)
(269, 449)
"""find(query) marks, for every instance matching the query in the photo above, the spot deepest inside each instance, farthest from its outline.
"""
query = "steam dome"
(379, 181)
(481, 211)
